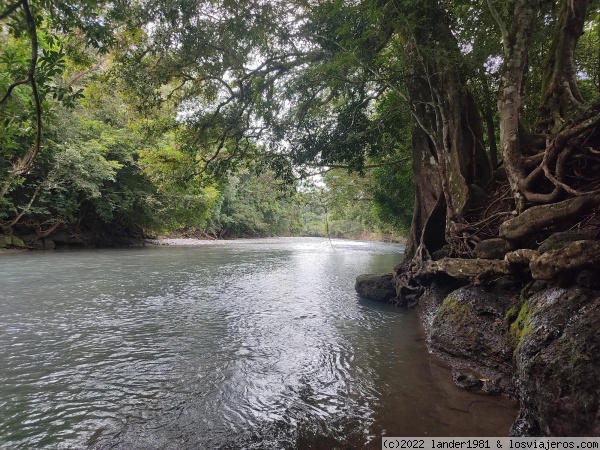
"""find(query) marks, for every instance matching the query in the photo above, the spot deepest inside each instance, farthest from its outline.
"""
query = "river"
(250, 344)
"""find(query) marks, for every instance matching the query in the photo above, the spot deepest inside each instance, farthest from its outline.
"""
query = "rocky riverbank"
(534, 340)
(540, 345)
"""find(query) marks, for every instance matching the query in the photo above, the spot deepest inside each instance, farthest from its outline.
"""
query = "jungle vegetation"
(455, 120)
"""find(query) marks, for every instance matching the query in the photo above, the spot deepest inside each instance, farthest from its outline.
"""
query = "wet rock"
(537, 286)
(575, 255)
(589, 278)
(467, 380)
(525, 425)
(540, 345)
(469, 328)
(506, 283)
(491, 248)
(558, 362)
(432, 299)
(378, 286)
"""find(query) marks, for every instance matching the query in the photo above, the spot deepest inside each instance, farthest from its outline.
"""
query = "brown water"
(255, 344)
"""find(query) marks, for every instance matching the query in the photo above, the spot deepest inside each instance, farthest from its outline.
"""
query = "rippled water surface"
(258, 344)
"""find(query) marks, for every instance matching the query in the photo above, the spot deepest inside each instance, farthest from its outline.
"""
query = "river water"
(252, 344)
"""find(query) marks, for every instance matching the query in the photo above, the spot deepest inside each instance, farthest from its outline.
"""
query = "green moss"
(519, 317)
(454, 311)
(512, 313)
(18, 242)
(473, 338)
(521, 327)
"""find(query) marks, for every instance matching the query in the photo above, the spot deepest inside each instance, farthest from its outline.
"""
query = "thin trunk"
(490, 126)
(510, 98)
(24, 211)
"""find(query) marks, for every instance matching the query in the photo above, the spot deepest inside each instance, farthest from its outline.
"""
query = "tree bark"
(446, 117)
(560, 94)
(510, 98)
(538, 217)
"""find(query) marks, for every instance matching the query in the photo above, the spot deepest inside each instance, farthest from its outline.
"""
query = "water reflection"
(252, 344)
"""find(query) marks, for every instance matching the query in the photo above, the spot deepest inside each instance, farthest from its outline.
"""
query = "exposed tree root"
(465, 268)
(576, 255)
(539, 217)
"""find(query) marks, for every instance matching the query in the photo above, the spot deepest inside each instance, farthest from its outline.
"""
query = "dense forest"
(109, 134)
(262, 118)
(473, 127)
(257, 118)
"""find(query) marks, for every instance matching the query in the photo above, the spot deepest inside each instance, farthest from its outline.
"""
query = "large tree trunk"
(537, 165)
(448, 152)
(428, 228)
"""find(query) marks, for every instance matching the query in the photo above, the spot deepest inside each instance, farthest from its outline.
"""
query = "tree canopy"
(464, 114)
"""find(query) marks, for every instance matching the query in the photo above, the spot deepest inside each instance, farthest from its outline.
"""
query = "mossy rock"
(48, 244)
(561, 239)
(5, 241)
(18, 242)
(494, 248)
(376, 286)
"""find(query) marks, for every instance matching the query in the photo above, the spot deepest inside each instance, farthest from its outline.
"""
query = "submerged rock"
(376, 286)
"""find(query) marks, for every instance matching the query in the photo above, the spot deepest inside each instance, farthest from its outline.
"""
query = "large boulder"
(376, 286)
(540, 346)
(469, 329)
(572, 257)
(558, 364)
(18, 242)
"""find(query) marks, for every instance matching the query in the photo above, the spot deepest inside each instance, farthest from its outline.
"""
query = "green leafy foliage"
(169, 114)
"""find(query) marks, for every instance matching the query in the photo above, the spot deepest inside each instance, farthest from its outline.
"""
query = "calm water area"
(250, 344)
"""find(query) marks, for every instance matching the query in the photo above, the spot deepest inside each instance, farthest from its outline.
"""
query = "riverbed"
(254, 344)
